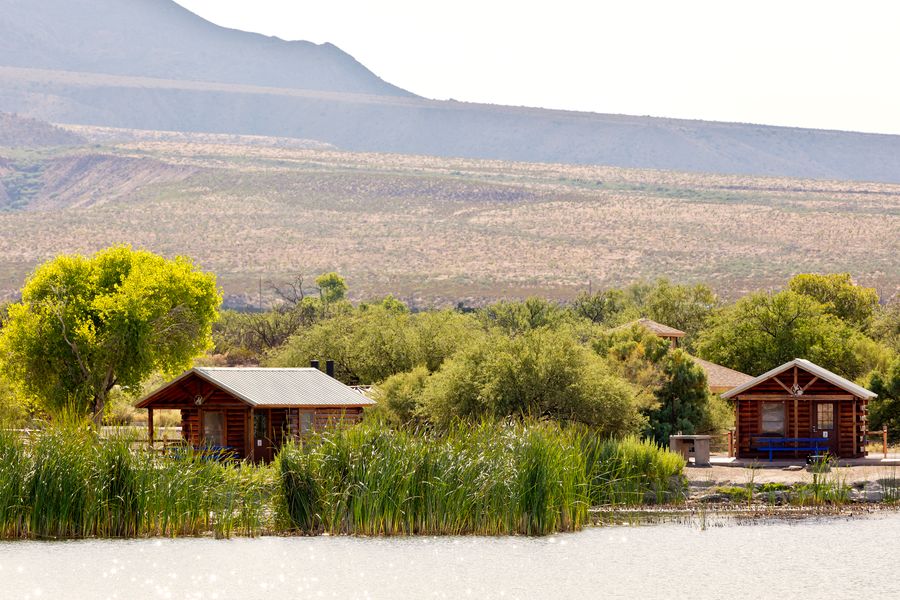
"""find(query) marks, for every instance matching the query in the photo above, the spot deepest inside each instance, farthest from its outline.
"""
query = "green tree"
(763, 330)
(672, 389)
(681, 306)
(885, 409)
(841, 297)
(539, 374)
(87, 324)
(683, 398)
(375, 341)
(332, 287)
(515, 317)
(609, 307)
(399, 397)
(886, 325)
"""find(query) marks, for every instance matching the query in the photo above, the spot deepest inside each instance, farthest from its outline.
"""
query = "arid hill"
(22, 132)
(437, 230)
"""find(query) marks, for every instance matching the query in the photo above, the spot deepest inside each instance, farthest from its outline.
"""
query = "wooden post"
(150, 425)
(884, 439)
(796, 424)
(730, 443)
(855, 430)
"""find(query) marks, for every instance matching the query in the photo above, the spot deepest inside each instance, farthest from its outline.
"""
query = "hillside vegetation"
(435, 230)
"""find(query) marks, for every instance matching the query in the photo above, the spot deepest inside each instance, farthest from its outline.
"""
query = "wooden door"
(262, 439)
(824, 424)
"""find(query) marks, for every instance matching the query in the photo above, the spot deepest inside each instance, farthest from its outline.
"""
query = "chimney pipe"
(314, 364)
(329, 368)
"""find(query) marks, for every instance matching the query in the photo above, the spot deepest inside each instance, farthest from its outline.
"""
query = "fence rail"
(883, 434)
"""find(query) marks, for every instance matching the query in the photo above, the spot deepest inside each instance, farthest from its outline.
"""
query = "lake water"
(813, 558)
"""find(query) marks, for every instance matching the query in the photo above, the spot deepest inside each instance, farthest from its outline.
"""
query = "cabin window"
(213, 428)
(773, 418)
(260, 426)
(306, 422)
(824, 416)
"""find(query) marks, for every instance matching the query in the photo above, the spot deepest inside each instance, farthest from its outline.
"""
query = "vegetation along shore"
(519, 417)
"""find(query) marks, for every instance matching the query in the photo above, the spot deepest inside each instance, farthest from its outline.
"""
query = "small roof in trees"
(657, 328)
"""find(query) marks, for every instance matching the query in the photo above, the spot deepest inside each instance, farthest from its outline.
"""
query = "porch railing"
(883, 434)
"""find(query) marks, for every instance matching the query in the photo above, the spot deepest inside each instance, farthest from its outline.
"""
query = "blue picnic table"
(788, 444)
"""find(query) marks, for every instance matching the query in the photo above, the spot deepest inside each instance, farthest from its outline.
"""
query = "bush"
(538, 374)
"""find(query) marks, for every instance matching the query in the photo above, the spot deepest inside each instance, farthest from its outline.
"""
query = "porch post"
(252, 435)
(796, 425)
(855, 429)
(150, 426)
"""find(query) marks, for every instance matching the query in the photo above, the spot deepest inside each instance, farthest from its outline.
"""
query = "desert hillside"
(435, 230)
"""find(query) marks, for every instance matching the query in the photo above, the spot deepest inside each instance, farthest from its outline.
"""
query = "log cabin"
(797, 410)
(249, 412)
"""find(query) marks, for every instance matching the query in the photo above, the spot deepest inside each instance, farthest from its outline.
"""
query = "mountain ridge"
(176, 74)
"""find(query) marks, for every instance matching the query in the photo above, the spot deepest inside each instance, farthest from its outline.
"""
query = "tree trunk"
(99, 408)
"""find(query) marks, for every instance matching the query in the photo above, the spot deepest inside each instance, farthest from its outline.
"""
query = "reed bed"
(67, 482)
(485, 479)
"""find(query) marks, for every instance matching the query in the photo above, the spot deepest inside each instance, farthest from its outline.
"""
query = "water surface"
(812, 558)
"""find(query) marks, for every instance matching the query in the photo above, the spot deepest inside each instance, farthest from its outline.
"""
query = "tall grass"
(483, 479)
(492, 479)
(65, 482)
(631, 471)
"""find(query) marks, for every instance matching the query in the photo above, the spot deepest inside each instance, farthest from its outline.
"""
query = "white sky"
(808, 63)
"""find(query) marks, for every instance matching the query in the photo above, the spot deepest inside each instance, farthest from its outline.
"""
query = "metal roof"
(820, 372)
(260, 386)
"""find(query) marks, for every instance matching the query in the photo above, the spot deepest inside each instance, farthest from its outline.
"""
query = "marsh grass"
(65, 482)
(487, 479)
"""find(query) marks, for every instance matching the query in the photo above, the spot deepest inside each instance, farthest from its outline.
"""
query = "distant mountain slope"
(21, 131)
(150, 64)
(159, 38)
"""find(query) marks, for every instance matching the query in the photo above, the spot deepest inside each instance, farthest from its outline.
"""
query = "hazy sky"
(809, 63)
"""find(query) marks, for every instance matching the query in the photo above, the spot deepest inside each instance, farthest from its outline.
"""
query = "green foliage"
(673, 390)
(836, 292)
(86, 325)
(247, 337)
(332, 287)
(683, 398)
(399, 397)
(683, 307)
(886, 325)
(885, 409)
(761, 331)
(540, 373)
(373, 342)
(13, 411)
(608, 307)
(519, 317)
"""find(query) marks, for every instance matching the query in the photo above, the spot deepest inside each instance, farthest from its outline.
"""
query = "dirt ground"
(734, 475)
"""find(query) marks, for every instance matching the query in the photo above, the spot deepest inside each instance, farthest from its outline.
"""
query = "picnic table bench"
(788, 444)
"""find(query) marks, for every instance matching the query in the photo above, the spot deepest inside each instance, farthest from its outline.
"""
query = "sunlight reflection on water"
(660, 561)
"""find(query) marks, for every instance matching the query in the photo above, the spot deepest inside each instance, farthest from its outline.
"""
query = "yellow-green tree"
(88, 324)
